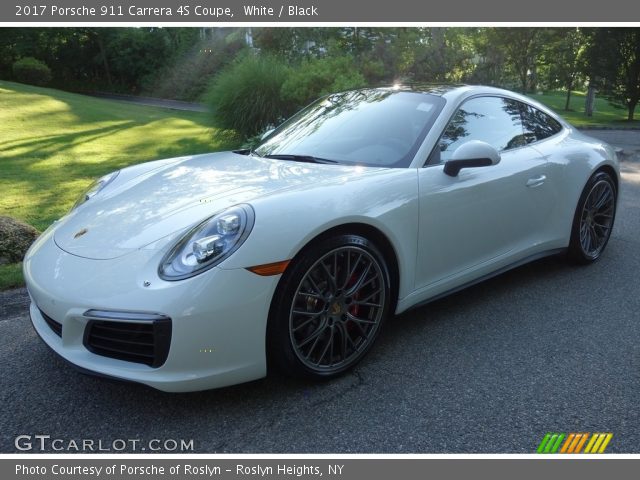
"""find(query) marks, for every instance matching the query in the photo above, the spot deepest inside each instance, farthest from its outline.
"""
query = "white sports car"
(199, 272)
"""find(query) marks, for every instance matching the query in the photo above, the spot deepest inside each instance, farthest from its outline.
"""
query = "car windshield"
(372, 127)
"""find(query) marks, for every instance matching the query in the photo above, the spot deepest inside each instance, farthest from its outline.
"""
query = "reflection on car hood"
(133, 213)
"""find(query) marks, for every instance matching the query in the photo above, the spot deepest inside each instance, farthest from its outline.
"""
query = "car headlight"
(95, 188)
(208, 243)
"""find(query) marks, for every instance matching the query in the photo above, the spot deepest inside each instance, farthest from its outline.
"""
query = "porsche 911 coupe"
(199, 272)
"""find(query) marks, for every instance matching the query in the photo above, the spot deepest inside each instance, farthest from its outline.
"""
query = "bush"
(32, 71)
(15, 239)
(245, 97)
(320, 76)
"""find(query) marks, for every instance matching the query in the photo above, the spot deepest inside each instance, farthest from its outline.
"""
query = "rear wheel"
(593, 220)
(329, 307)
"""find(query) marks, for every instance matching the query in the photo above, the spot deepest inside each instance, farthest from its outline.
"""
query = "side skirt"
(500, 271)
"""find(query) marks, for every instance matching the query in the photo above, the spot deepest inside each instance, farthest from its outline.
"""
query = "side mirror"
(474, 153)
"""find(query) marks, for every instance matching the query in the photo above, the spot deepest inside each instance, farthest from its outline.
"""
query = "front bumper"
(218, 318)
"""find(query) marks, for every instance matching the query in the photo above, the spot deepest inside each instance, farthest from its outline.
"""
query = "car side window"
(537, 124)
(495, 120)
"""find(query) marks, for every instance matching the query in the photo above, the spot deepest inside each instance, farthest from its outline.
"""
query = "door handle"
(536, 181)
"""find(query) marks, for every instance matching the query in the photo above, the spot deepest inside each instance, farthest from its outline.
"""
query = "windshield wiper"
(300, 158)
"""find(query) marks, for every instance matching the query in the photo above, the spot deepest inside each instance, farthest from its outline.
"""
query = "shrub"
(15, 239)
(32, 71)
(320, 76)
(245, 96)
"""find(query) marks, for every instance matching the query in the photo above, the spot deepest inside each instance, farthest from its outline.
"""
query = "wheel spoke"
(306, 322)
(352, 317)
(351, 270)
(309, 294)
(304, 312)
(313, 335)
(360, 284)
(330, 277)
(314, 285)
(368, 304)
(326, 347)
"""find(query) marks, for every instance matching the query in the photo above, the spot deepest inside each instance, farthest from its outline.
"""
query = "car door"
(484, 216)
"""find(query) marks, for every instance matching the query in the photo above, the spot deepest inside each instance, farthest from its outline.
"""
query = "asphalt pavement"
(547, 347)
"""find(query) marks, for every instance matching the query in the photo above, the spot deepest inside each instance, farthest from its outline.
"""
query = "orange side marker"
(269, 268)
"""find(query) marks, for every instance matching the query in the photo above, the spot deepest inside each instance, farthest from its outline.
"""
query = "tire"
(329, 308)
(593, 219)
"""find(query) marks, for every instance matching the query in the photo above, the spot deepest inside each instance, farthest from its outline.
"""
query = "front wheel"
(329, 307)
(593, 219)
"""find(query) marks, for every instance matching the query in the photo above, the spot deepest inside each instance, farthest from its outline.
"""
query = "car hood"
(135, 212)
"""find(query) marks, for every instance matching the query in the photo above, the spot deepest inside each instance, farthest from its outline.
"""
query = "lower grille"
(138, 342)
(55, 326)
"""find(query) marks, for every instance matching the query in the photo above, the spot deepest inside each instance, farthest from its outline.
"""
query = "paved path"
(154, 102)
(627, 140)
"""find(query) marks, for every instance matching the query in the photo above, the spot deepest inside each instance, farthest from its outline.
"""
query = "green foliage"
(614, 65)
(11, 276)
(246, 96)
(32, 71)
(443, 55)
(319, 76)
(15, 239)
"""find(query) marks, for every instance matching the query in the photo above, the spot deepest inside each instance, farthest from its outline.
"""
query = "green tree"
(522, 47)
(565, 57)
(614, 64)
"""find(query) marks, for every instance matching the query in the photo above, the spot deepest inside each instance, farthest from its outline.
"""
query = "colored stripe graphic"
(573, 442)
(551, 442)
(571, 439)
(581, 443)
(606, 442)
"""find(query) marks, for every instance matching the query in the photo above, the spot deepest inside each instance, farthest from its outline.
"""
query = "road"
(545, 347)
(154, 102)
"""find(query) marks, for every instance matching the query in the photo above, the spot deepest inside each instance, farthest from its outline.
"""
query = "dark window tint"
(538, 125)
(494, 120)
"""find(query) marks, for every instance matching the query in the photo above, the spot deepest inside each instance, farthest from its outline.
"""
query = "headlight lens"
(208, 243)
(95, 188)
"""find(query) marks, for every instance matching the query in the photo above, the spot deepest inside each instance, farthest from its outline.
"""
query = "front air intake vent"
(145, 342)
(55, 326)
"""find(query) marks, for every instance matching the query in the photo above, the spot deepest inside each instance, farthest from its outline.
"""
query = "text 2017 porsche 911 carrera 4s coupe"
(199, 272)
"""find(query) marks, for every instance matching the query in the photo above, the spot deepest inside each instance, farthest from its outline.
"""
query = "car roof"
(458, 92)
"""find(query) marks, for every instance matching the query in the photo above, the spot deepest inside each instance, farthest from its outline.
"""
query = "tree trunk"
(105, 62)
(631, 107)
(568, 101)
(590, 100)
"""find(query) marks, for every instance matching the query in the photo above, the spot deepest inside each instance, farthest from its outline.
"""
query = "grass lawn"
(604, 115)
(53, 144)
(11, 276)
